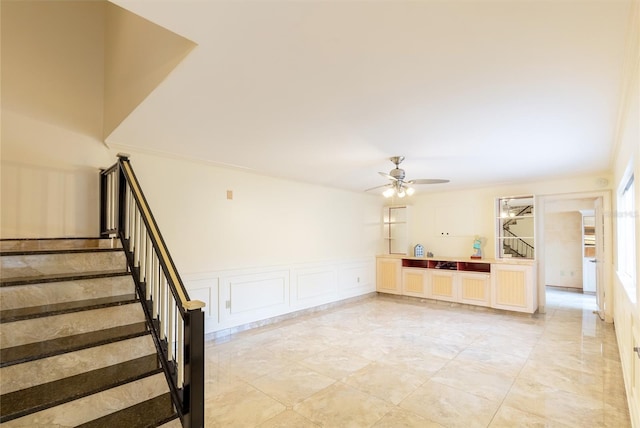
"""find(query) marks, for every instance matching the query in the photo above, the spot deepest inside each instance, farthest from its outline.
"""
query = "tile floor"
(391, 362)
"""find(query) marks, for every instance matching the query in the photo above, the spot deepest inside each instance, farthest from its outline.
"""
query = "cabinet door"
(475, 288)
(414, 282)
(444, 285)
(513, 288)
(389, 276)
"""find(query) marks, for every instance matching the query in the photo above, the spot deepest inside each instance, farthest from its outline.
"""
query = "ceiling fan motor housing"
(397, 173)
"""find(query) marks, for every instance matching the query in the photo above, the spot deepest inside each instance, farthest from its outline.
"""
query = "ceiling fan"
(399, 186)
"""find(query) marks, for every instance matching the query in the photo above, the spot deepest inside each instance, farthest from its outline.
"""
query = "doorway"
(572, 233)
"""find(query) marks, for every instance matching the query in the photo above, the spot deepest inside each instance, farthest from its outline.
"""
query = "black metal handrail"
(528, 209)
(522, 248)
(176, 322)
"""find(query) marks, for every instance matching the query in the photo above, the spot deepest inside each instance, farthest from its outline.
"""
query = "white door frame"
(605, 280)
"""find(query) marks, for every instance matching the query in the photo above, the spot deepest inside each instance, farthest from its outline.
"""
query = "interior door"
(599, 238)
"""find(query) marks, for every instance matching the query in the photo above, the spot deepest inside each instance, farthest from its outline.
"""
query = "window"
(627, 231)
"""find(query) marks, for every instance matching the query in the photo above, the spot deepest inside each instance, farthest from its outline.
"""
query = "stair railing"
(177, 322)
(522, 248)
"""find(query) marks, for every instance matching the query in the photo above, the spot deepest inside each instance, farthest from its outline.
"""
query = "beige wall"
(49, 179)
(563, 255)
(627, 156)
(466, 213)
(269, 221)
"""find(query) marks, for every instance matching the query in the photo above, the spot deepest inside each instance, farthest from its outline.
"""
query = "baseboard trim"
(227, 333)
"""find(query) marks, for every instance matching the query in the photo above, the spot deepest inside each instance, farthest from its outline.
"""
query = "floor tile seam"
(296, 403)
(385, 399)
(261, 424)
(578, 392)
(588, 356)
(407, 410)
(376, 396)
(486, 369)
(544, 416)
(578, 373)
(558, 389)
(506, 395)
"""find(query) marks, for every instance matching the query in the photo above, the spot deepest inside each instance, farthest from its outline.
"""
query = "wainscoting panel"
(355, 279)
(206, 290)
(247, 298)
(313, 286)
(243, 296)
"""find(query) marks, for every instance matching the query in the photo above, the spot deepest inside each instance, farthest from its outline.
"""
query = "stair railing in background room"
(521, 248)
(177, 323)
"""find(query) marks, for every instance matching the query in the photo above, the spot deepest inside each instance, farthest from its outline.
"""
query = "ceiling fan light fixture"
(399, 186)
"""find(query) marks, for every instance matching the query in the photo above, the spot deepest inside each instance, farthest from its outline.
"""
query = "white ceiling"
(479, 92)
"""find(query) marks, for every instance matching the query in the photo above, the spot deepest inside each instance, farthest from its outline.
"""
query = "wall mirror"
(515, 227)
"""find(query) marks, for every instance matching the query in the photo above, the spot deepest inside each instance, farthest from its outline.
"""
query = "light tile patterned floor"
(389, 362)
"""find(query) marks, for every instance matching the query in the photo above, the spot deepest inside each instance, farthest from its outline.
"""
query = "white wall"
(278, 246)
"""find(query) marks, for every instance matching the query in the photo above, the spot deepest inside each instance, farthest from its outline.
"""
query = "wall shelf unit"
(395, 219)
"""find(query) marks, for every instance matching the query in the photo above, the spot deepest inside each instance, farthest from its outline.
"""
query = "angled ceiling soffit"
(139, 55)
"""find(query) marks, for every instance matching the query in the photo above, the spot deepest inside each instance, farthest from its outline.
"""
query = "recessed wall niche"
(515, 230)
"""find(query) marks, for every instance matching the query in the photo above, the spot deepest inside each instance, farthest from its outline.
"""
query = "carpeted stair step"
(40, 397)
(48, 348)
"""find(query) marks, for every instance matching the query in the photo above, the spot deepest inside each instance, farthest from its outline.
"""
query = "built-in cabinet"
(494, 283)
(389, 275)
(513, 287)
(414, 282)
(475, 288)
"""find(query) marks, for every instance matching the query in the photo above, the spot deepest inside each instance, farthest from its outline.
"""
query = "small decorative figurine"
(418, 251)
(477, 250)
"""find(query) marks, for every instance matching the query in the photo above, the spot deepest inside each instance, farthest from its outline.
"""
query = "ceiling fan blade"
(385, 175)
(427, 181)
(379, 187)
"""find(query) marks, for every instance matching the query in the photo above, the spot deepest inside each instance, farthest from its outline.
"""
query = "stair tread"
(48, 348)
(57, 243)
(9, 315)
(40, 397)
(58, 277)
(149, 413)
(22, 252)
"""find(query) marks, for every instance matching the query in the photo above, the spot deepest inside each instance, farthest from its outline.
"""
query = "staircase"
(514, 245)
(75, 347)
